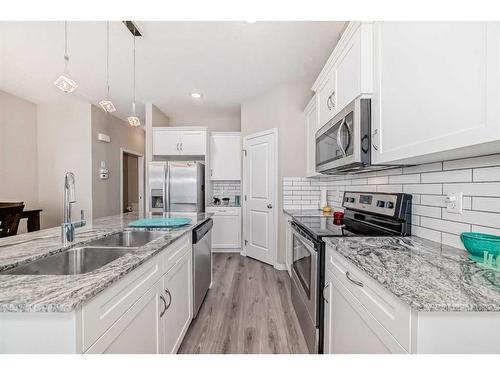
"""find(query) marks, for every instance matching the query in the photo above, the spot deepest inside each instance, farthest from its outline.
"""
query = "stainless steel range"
(365, 214)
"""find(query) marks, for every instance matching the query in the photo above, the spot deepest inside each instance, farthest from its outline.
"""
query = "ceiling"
(228, 62)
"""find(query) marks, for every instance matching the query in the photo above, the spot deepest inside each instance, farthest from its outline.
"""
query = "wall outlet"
(454, 203)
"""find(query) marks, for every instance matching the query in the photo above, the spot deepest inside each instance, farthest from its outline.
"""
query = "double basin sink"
(88, 258)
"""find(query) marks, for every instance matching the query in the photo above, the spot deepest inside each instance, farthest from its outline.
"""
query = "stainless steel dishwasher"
(202, 263)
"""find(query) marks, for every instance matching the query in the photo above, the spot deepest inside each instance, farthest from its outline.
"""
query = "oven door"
(304, 271)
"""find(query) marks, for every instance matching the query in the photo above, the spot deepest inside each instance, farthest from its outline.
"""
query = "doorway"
(260, 184)
(132, 182)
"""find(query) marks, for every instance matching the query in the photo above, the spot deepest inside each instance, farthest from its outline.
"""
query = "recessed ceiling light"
(251, 21)
(196, 95)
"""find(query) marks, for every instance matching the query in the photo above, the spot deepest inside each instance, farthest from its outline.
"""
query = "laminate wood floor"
(248, 310)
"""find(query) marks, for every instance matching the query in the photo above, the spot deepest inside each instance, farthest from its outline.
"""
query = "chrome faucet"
(68, 227)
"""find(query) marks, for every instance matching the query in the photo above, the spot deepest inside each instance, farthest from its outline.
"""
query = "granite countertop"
(65, 293)
(231, 204)
(426, 275)
(311, 213)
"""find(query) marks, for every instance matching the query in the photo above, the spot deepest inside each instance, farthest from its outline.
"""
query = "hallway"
(248, 310)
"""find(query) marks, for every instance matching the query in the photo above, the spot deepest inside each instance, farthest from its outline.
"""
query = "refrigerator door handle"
(166, 184)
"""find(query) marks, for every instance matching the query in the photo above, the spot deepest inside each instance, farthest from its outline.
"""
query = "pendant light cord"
(134, 74)
(107, 60)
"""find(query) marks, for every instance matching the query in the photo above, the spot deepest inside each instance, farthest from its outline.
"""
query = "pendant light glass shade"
(64, 82)
(106, 104)
(133, 120)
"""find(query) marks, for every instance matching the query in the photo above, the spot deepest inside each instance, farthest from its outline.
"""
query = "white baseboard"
(281, 267)
(221, 250)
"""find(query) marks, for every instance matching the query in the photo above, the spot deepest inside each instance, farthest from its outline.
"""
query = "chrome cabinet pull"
(328, 103)
(164, 306)
(269, 206)
(169, 299)
(375, 132)
(331, 99)
(325, 288)
(181, 146)
(358, 283)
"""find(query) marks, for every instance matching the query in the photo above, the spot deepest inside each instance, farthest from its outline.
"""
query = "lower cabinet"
(139, 331)
(178, 291)
(226, 232)
(158, 320)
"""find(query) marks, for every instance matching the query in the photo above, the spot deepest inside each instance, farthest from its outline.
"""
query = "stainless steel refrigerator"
(176, 186)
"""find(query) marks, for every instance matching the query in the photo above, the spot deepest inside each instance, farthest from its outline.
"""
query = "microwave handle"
(339, 137)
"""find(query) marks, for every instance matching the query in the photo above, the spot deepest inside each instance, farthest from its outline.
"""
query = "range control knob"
(389, 205)
(380, 204)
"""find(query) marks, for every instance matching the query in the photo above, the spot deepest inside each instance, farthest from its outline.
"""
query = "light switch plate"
(454, 203)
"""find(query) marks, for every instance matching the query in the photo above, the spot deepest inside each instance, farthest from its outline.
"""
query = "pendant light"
(133, 120)
(64, 82)
(106, 104)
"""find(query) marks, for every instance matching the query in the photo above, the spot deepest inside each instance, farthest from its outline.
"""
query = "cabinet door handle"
(374, 133)
(324, 289)
(181, 146)
(164, 306)
(358, 283)
(328, 102)
(169, 299)
(177, 147)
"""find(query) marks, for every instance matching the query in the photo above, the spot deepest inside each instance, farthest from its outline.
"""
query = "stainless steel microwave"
(343, 143)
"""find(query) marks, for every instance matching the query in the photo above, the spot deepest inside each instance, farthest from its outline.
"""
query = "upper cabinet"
(179, 141)
(311, 126)
(348, 72)
(225, 156)
(436, 91)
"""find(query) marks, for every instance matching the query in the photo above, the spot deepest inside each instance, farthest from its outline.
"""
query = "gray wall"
(281, 108)
(106, 193)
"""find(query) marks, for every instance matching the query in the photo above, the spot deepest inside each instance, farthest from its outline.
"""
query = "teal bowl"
(477, 243)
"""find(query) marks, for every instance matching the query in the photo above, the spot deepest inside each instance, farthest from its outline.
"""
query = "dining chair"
(10, 215)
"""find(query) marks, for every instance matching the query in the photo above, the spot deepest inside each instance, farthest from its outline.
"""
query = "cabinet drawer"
(393, 314)
(106, 308)
(176, 250)
(224, 211)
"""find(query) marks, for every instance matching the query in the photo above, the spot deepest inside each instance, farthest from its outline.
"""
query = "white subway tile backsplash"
(432, 167)
(405, 179)
(461, 175)
(444, 225)
(484, 189)
(487, 174)
(477, 178)
(481, 161)
(486, 204)
(426, 211)
(423, 189)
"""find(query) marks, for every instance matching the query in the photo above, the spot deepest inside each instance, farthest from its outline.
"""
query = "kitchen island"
(101, 310)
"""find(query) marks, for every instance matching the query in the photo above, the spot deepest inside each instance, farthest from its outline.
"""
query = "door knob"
(269, 205)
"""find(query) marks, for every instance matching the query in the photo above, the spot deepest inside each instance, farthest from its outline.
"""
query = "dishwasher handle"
(200, 231)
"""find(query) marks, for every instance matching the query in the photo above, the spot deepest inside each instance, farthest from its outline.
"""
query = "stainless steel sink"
(71, 262)
(127, 238)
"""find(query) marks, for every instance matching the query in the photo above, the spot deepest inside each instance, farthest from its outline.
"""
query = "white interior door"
(260, 179)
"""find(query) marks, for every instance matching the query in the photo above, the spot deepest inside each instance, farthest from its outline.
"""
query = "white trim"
(273, 131)
(281, 267)
(140, 173)
(226, 250)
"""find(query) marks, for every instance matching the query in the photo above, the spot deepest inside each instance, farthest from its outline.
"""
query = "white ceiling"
(227, 61)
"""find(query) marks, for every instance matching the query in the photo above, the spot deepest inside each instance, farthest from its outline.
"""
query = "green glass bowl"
(477, 243)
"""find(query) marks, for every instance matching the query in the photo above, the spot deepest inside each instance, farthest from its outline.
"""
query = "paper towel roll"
(322, 198)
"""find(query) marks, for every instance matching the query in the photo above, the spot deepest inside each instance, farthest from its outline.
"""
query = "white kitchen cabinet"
(139, 330)
(178, 291)
(435, 91)
(171, 141)
(311, 126)
(225, 156)
(226, 232)
(348, 72)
